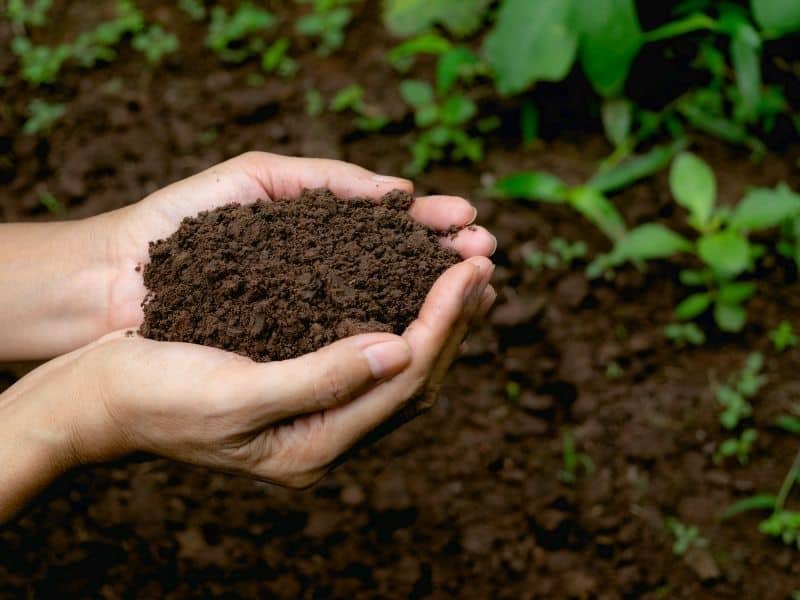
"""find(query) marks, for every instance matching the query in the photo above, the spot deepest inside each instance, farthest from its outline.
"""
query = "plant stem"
(680, 27)
(787, 484)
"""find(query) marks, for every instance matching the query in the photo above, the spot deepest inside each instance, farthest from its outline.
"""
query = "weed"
(233, 37)
(783, 336)
(684, 334)
(42, 115)
(739, 447)
(734, 396)
(351, 98)
(572, 459)
(560, 254)
(155, 43)
(196, 9)
(32, 13)
(686, 536)
(51, 203)
(327, 22)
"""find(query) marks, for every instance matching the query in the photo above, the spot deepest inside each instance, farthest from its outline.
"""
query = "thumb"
(329, 377)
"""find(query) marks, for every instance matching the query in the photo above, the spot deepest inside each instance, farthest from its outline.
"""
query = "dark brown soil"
(465, 502)
(276, 280)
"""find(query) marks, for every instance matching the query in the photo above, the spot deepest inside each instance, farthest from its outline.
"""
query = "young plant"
(783, 336)
(234, 38)
(52, 204)
(327, 22)
(782, 523)
(369, 117)
(686, 536)
(560, 254)
(155, 43)
(513, 391)
(572, 459)
(39, 65)
(737, 447)
(735, 395)
(196, 9)
(23, 12)
(42, 116)
(99, 44)
(276, 59)
(685, 334)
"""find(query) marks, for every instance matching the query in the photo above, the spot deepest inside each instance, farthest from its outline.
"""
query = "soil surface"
(465, 502)
(276, 280)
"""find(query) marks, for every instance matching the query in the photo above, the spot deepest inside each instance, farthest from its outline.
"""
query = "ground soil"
(278, 279)
(466, 501)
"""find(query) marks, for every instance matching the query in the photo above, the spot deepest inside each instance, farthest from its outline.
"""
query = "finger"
(443, 212)
(428, 338)
(486, 303)
(327, 378)
(288, 176)
(472, 241)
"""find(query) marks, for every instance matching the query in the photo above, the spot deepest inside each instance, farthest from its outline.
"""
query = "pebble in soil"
(275, 280)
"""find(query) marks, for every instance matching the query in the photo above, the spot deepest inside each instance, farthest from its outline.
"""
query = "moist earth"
(276, 280)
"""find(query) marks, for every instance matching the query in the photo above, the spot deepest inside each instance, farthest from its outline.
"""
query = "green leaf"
(617, 118)
(599, 210)
(610, 38)
(410, 17)
(693, 306)
(417, 93)
(648, 242)
(745, 56)
(758, 502)
(726, 252)
(763, 208)
(693, 185)
(636, 168)
(532, 41)
(736, 292)
(452, 65)
(457, 110)
(426, 116)
(788, 423)
(729, 317)
(401, 56)
(781, 16)
(693, 278)
(532, 185)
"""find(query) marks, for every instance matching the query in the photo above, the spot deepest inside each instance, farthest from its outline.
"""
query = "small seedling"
(99, 44)
(734, 396)
(572, 459)
(196, 9)
(39, 64)
(234, 38)
(351, 98)
(513, 391)
(685, 334)
(315, 104)
(614, 371)
(783, 336)
(42, 116)
(155, 43)
(327, 22)
(739, 447)
(51, 203)
(561, 254)
(276, 59)
(686, 536)
(32, 13)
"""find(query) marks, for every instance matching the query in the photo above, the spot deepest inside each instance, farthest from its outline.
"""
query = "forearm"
(53, 288)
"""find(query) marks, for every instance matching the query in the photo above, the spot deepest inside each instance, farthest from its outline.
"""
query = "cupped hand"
(245, 179)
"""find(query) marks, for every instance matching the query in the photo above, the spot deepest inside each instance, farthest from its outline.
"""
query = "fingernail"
(386, 359)
(474, 216)
(390, 179)
(494, 247)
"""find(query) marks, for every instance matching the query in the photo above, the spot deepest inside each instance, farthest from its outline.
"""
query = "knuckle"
(334, 387)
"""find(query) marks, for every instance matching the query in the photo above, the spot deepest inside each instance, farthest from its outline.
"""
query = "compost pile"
(275, 280)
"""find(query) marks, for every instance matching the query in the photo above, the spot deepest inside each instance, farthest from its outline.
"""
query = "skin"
(71, 289)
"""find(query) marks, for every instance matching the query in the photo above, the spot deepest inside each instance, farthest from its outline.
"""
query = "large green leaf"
(726, 252)
(599, 210)
(410, 17)
(694, 187)
(531, 41)
(610, 37)
(762, 208)
(648, 242)
(777, 15)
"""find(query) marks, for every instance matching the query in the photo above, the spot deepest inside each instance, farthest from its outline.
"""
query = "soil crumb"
(278, 279)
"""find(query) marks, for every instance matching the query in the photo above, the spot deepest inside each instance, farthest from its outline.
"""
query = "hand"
(284, 422)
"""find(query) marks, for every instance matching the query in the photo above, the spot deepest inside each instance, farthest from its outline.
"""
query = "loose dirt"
(276, 280)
